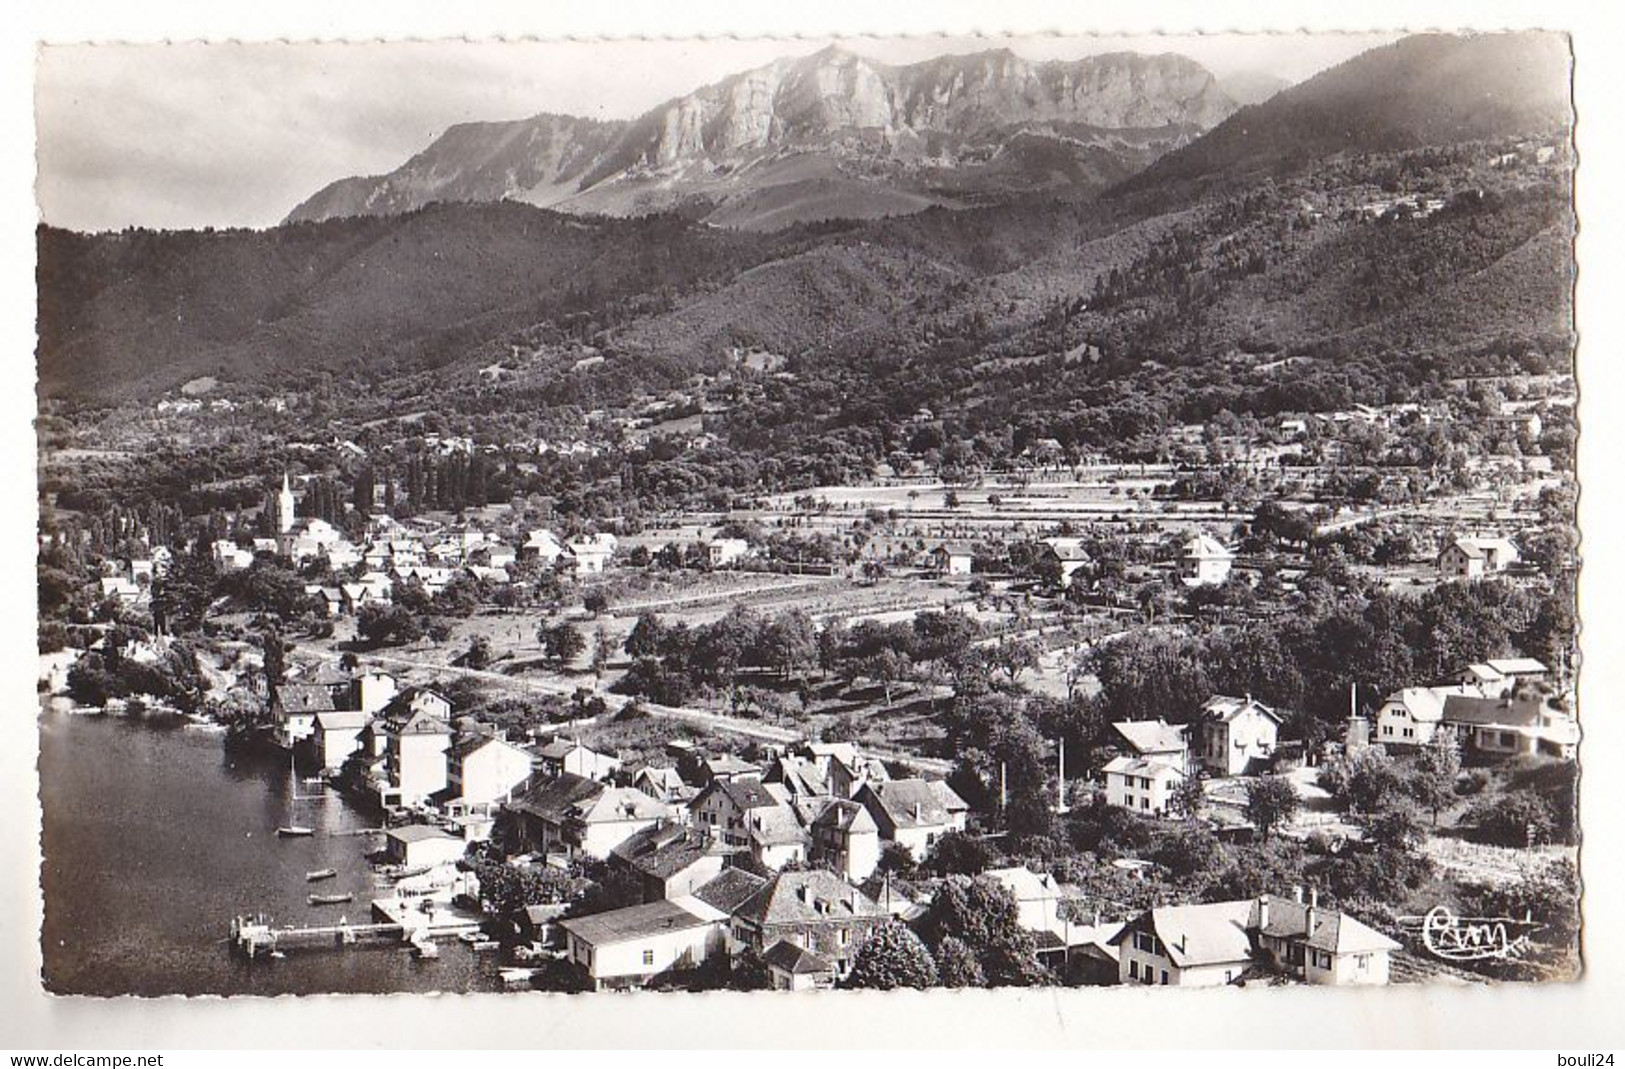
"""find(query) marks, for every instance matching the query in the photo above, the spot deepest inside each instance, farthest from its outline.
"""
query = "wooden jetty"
(256, 935)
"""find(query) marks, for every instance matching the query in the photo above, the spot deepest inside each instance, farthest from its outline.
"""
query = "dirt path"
(558, 687)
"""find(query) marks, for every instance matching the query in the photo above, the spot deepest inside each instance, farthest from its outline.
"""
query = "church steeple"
(284, 507)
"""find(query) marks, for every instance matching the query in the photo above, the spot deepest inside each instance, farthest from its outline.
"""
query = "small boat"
(295, 831)
(330, 900)
(424, 947)
(320, 874)
(478, 941)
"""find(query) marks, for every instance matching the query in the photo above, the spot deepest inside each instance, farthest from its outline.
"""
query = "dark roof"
(811, 896)
(304, 698)
(662, 851)
(909, 803)
(747, 793)
(324, 675)
(729, 889)
(1460, 709)
(551, 799)
(633, 922)
(1333, 931)
(796, 960)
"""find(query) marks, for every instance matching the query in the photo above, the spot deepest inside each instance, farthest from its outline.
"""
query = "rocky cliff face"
(896, 130)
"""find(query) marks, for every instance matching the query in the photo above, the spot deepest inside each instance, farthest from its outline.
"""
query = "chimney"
(1263, 911)
(917, 811)
(1309, 914)
(1297, 893)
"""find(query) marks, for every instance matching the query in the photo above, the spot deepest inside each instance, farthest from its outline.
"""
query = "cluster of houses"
(1491, 711)
(1229, 737)
(1203, 560)
(130, 581)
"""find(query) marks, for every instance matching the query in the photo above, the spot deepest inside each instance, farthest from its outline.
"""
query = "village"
(737, 748)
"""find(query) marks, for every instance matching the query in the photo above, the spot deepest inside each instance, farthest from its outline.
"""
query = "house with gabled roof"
(813, 909)
(625, 948)
(1511, 726)
(846, 838)
(1205, 561)
(665, 784)
(914, 813)
(952, 559)
(1146, 785)
(1238, 735)
(543, 809)
(1157, 740)
(571, 756)
(294, 707)
(1068, 949)
(1062, 558)
(1217, 943)
(1475, 556)
(483, 769)
(336, 735)
(747, 814)
(792, 967)
(670, 860)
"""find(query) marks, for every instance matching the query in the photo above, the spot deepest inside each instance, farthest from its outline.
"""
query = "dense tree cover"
(672, 661)
(981, 915)
(892, 957)
(1308, 661)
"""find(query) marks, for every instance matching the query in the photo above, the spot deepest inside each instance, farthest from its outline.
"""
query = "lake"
(156, 835)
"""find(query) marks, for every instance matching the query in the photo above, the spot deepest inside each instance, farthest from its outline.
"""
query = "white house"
(625, 947)
(337, 735)
(590, 554)
(721, 552)
(570, 755)
(1471, 558)
(483, 769)
(543, 546)
(1215, 943)
(1157, 740)
(913, 813)
(1067, 556)
(1145, 785)
(422, 845)
(1238, 735)
(1204, 561)
(952, 560)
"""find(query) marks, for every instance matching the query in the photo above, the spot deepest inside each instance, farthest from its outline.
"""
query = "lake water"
(156, 836)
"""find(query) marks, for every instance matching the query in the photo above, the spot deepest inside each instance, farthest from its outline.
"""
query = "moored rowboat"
(330, 900)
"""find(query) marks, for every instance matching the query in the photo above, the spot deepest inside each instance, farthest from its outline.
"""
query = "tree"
(957, 854)
(1433, 779)
(896, 860)
(957, 965)
(1014, 656)
(380, 625)
(479, 653)
(603, 649)
(562, 643)
(1188, 799)
(1271, 802)
(984, 916)
(892, 957)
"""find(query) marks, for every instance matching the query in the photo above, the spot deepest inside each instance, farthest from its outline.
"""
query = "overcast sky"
(193, 135)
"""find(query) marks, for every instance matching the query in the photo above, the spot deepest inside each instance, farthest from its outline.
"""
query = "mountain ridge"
(893, 131)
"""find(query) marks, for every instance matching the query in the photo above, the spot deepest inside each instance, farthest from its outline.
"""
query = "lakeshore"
(155, 836)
